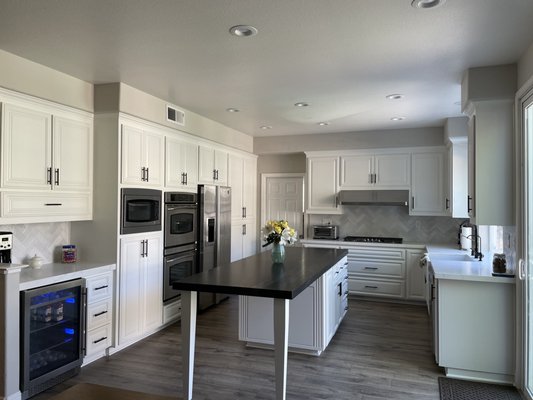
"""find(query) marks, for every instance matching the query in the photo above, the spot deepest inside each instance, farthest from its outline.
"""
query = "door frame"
(522, 329)
(264, 178)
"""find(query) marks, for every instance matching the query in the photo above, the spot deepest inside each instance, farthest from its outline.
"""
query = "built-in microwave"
(140, 211)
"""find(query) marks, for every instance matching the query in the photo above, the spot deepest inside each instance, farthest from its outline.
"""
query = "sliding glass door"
(526, 218)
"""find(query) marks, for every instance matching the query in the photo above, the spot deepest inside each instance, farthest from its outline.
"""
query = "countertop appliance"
(6, 244)
(181, 235)
(214, 235)
(140, 211)
(373, 239)
(329, 232)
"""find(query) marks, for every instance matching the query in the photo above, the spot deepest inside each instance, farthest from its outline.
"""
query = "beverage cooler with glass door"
(52, 335)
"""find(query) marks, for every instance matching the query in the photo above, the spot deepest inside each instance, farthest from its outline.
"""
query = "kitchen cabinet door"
(392, 170)
(212, 166)
(73, 154)
(141, 285)
(322, 188)
(142, 157)
(428, 186)
(26, 148)
(415, 279)
(242, 180)
(243, 239)
(356, 171)
(181, 170)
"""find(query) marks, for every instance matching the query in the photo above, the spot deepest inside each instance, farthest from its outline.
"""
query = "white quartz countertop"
(475, 270)
(57, 272)
(340, 243)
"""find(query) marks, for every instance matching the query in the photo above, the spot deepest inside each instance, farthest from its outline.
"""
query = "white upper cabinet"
(369, 171)
(457, 195)
(142, 156)
(322, 189)
(73, 154)
(41, 151)
(428, 183)
(212, 166)
(242, 180)
(181, 169)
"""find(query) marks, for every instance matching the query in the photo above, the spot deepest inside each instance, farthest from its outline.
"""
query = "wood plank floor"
(381, 351)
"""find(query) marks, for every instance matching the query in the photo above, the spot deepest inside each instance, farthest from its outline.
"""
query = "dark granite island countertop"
(257, 276)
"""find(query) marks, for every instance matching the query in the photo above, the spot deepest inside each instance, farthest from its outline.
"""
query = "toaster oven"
(329, 232)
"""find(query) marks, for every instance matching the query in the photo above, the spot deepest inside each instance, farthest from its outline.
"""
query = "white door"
(527, 240)
(282, 198)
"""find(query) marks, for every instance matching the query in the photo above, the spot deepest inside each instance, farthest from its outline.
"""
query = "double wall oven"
(181, 219)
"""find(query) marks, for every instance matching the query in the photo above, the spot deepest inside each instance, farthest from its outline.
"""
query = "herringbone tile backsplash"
(392, 221)
(45, 240)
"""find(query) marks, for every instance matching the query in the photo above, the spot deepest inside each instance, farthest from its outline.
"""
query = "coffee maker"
(6, 243)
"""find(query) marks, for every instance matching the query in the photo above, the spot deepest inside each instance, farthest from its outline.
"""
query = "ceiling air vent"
(175, 116)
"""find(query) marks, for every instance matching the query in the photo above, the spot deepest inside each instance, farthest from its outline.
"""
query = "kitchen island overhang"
(255, 276)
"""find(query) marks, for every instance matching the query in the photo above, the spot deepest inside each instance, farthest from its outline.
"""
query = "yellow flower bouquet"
(278, 232)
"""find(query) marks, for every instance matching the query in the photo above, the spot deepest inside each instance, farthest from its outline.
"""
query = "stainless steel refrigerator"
(214, 235)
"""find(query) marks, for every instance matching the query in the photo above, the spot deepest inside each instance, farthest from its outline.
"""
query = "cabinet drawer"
(99, 314)
(41, 206)
(98, 339)
(99, 287)
(378, 253)
(378, 268)
(376, 287)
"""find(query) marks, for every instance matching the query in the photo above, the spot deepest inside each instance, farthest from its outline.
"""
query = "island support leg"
(188, 334)
(281, 339)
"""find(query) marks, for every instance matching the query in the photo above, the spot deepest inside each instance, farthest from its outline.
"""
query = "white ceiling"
(340, 56)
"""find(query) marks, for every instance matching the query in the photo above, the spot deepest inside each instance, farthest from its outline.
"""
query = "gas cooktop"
(373, 239)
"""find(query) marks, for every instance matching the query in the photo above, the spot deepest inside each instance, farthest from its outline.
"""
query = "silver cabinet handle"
(101, 287)
(147, 174)
(99, 340)
(49, 175)
(53, 204)
(100, 313)
(370, 287)
(183, 178)
(56, 173)
(447, 203)
(186, 178)
(413, 202)
(244, 229)
(469, 203)
(521, 270)
(143, 174)
(371, 268)
(214, 174)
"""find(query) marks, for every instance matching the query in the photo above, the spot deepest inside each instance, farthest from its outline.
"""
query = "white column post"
(281, 339)
(188, 338)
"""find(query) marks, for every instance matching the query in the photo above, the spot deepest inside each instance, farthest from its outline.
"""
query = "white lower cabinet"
(314, 315)
(376, 272)
(415, 282)
(243, 239)
(99, 327)
(475, 322)
(141, 285)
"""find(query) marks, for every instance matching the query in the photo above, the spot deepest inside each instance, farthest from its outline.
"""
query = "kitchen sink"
(451, 257)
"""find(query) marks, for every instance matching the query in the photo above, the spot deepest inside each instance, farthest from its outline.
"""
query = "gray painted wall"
(350, 140)
(525, 66)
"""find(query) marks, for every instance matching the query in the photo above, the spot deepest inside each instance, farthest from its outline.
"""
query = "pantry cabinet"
(181, 164)
(322, 185)
(212, 166)
(373, 171)
(242, 180)
(142, 156)
(428, 186)
(141, 285)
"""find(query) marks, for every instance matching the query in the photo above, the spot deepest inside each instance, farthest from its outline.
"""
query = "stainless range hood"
(374, 197)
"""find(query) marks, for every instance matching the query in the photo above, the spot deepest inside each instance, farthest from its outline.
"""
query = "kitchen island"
(255, 276)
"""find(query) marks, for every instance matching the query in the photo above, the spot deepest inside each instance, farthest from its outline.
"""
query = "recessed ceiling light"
(266, 127)
(397, 118)
(427, 3)
(243, 30)
(395, 96)
(323, 123)
(301, 104)
(232, 110)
